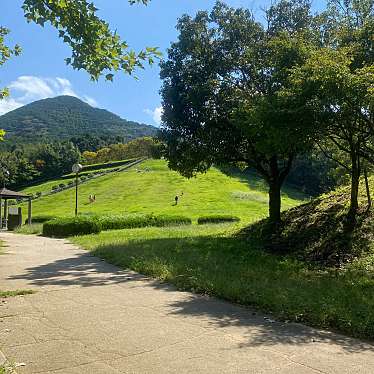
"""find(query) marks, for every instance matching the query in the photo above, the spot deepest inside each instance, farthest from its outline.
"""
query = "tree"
(95, 48)
(140, 147)
(5, 53)
(339, 80)
(54, 159)
(16, 169)
(89, 157)
(223, 96)
(315, 174)
(343, 98)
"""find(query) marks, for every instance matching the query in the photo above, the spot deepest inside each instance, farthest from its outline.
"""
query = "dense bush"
(63, 227)
(134, 221)
(91, 224)
(217, 219)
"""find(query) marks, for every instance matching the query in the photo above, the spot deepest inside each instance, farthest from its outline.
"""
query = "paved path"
(90, 317)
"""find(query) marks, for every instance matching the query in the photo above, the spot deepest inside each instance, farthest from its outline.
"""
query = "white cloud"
(155, 114)
(89, 100)
(6, 105)
(28, 88)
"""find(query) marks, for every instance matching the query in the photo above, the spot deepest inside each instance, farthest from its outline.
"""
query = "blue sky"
(40, 71)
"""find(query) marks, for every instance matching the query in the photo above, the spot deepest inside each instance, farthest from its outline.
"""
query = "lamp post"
(76, 168)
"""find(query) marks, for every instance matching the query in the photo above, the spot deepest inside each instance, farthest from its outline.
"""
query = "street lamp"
(76, 168)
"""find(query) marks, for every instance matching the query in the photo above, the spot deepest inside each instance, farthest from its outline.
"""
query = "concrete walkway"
(90, 317)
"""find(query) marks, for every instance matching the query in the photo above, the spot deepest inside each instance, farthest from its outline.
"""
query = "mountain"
(64, 117)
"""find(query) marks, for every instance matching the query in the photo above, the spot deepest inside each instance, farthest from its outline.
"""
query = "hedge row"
(134, 221)
(62, 227)
(82, 225)
(217, 219)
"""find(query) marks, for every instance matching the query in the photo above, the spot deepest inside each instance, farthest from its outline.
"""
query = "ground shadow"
(82, 270)
(260, 330)
(191, 263)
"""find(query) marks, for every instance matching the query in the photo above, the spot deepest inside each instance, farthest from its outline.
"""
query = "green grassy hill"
(318, 233)
(151, 187)
(318, 273)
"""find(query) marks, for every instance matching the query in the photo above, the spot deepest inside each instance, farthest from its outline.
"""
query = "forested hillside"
(64, 117)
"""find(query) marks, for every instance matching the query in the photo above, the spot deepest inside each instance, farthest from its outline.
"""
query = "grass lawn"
(211, 259)
(47, 186)
(153, 191)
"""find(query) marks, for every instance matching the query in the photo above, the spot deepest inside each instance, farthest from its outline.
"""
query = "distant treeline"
(27, 164)
(141, 147)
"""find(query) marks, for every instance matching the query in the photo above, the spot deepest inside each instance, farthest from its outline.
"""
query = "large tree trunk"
(275, 184)
(275, 176)
(274, 202)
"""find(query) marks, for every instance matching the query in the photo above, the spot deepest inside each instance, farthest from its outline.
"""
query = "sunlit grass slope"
(151, 187)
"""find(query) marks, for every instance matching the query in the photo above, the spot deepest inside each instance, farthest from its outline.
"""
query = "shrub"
(62, 185)
(54, 188)
(83, 178)
(217, 219)
(38, 194)
(161, 221)
(71, 183)
(63, 227)
(137, 220)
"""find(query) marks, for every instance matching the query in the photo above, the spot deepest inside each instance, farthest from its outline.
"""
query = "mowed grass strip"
(210, 259)
(151, 188)
(47, 185)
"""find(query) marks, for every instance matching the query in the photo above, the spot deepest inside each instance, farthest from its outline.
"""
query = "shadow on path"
(258, 331)
(83, 270)
(86, 270)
